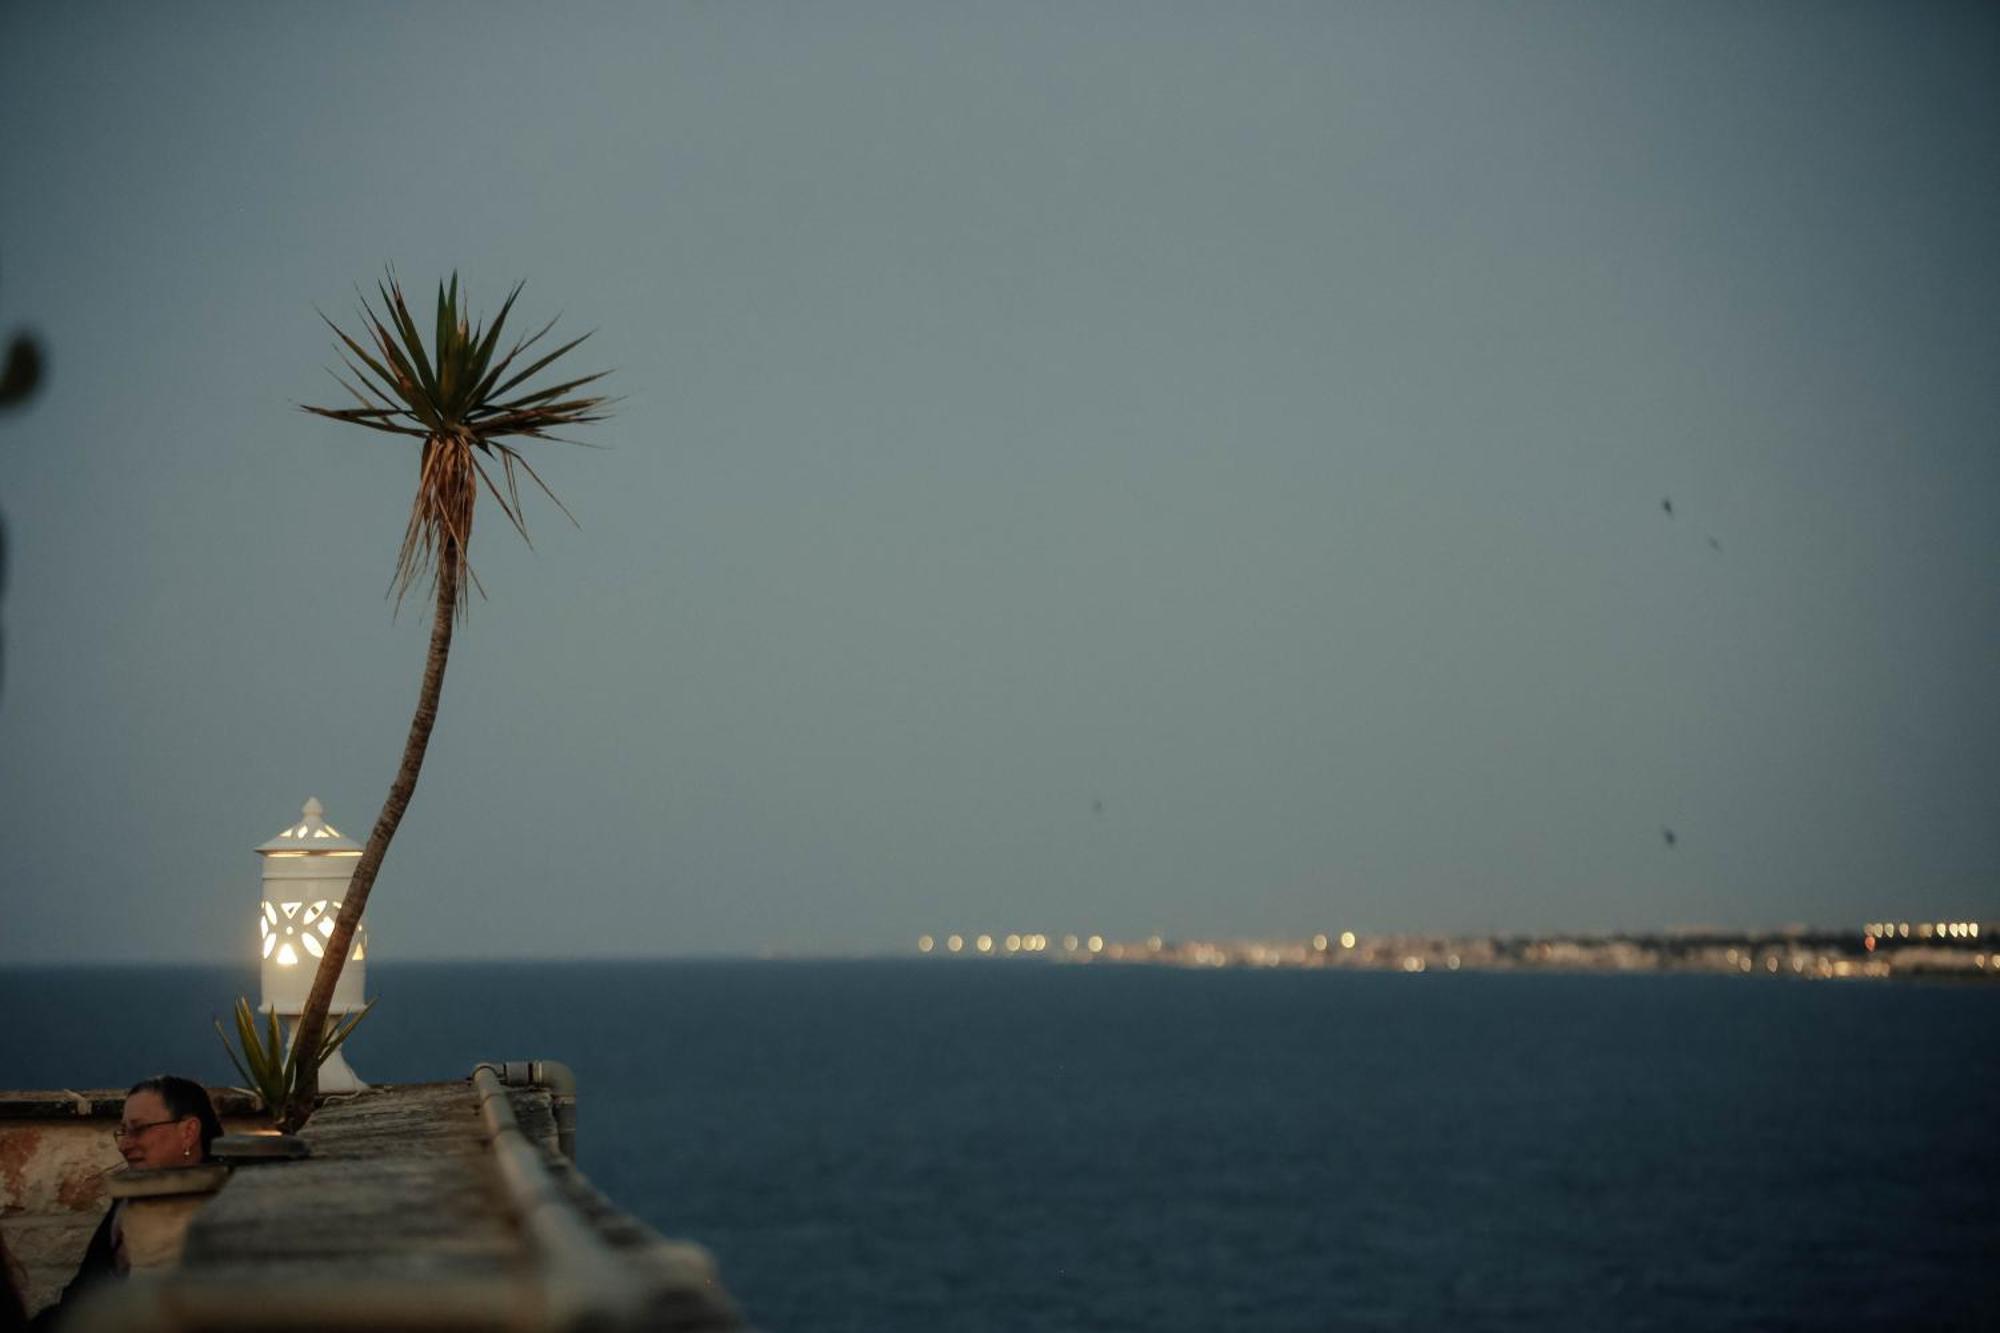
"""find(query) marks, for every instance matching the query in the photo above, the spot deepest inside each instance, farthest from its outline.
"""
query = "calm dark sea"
(940, 1145)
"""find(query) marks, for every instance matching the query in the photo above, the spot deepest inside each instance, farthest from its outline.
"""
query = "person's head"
(168, 1122)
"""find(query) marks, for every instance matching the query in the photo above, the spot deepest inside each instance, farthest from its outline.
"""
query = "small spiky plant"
(463, 404)
(269, 1066)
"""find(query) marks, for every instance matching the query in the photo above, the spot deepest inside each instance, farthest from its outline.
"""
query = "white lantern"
(306, 869)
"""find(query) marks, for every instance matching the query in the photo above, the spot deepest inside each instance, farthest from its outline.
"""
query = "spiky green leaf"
(454, 396)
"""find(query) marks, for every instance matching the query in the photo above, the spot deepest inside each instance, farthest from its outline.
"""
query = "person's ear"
(190, 1129)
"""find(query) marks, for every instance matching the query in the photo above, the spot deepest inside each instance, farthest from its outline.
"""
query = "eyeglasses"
(124, 1132)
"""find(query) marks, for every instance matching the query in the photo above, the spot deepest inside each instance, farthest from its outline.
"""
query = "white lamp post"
(306, 869)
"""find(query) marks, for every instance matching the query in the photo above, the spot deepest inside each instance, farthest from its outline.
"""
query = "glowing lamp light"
(306, 869)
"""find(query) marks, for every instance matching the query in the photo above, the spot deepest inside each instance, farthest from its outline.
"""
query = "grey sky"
(1252, 418)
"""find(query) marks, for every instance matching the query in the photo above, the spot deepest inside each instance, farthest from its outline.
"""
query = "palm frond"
(454, 395)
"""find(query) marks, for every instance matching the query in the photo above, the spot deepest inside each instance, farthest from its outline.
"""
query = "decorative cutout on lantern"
(312, 925)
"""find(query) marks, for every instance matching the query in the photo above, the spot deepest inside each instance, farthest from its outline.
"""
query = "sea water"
(921, 1145)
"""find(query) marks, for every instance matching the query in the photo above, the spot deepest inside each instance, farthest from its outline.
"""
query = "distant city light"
(1796, 951)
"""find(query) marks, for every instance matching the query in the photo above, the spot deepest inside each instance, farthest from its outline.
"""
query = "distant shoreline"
(1879, 950)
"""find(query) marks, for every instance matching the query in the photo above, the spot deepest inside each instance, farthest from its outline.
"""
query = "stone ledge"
(66, 1103)
(403, 1217)
(201, 1178)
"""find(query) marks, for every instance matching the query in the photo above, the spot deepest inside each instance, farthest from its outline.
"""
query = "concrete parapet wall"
(445, 1207)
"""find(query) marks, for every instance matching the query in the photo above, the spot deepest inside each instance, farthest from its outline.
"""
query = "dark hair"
(184, 1097)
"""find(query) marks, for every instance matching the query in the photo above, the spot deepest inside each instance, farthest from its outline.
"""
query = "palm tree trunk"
(312, 1023)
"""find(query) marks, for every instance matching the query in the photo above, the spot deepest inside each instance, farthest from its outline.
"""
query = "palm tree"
(457, 401)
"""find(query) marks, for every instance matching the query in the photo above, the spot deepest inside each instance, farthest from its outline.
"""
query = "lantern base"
(335, 1075)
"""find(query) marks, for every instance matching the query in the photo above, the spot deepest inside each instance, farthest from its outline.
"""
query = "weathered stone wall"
(55, 1151)
(446, 1206)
